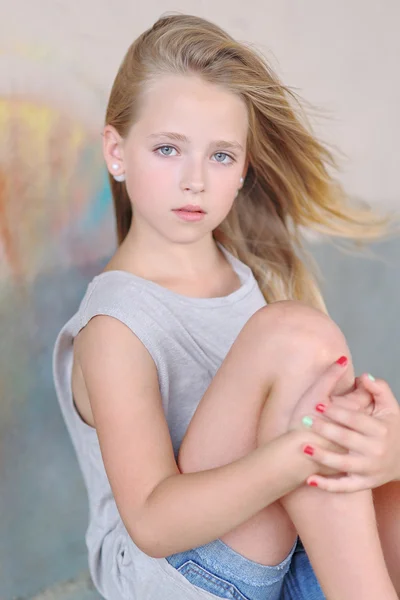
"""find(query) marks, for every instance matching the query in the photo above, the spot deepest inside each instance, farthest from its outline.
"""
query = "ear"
(112, 149)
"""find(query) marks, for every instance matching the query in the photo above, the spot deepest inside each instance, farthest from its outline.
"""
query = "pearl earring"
(241, 183)
(117, 177)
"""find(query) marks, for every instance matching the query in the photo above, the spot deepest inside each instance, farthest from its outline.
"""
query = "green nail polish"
(371, 377)
(307, 421)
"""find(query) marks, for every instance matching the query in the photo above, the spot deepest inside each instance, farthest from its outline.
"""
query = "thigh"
(231, 404)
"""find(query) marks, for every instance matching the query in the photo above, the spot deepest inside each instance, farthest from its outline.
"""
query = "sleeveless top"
(188, 338)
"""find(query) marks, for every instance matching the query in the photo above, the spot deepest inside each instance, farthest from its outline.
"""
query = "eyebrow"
(183, 138)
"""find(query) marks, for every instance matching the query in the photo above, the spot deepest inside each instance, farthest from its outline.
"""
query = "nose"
(193, 178)
(194, 186)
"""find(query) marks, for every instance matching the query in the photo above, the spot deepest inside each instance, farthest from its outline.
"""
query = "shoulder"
(116, 294)
(110, 288)
(116, 310)
(107, 340)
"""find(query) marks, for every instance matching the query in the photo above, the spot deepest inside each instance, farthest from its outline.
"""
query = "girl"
(194, 364)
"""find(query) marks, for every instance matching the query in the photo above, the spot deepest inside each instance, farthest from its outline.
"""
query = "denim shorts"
(220, 570)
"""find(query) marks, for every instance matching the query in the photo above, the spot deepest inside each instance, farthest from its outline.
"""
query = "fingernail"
(307, 421)
(309, 450)
(320, 408)
(313, 483)
(371, 377)
(342, 361)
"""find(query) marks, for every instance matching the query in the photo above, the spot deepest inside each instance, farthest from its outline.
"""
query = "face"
(188, 147)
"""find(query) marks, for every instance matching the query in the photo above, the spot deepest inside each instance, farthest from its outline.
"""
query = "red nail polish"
(309, 450)
(313, 483)
(342, 361)
(320, 408)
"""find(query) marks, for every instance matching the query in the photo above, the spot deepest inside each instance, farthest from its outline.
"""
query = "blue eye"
(163, 147)
(223, 154)
(160, 150)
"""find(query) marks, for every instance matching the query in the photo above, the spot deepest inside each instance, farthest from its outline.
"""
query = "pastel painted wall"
(57, 63)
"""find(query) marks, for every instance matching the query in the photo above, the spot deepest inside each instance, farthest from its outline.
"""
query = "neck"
(157, 258)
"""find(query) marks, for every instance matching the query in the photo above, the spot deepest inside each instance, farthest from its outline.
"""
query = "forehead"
(192, 106)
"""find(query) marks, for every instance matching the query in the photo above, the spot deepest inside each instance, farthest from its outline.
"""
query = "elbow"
(148, 547)
(149, 530)
(148, 541)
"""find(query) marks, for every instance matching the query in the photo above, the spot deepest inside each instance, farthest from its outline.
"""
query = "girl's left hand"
(371, 438)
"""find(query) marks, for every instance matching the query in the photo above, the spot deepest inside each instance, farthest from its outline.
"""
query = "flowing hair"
(288, 186)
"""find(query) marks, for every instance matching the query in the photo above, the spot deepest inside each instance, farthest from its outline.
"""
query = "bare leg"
(338, 531)
(279, 364)
(387, 509)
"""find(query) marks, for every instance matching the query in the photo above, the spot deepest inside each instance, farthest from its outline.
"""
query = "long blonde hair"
(288, 185)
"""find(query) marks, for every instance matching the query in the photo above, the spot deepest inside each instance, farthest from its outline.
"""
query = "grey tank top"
(188, 338)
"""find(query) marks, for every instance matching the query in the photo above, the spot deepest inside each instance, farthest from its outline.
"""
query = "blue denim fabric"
(300, 582)
(218, 569)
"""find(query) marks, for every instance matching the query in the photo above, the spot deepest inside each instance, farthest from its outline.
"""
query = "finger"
(345, 484)
(349, 401)
(347, 438)
(379, 388)
(367, 425)
(361, 399)
(342, 463)
(326, 383)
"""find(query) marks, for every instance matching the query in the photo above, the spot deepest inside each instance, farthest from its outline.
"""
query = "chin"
(187, 237)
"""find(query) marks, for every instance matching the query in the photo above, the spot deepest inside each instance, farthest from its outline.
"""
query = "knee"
(296, 335)
(299, 344)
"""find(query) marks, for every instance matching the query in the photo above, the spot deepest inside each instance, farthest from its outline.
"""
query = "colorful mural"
(56, 227)
(53, 187)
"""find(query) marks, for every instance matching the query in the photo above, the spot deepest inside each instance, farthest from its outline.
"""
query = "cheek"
(155, 165)
(227, 178)
(157, 176)
(146, 180)
(225, 189)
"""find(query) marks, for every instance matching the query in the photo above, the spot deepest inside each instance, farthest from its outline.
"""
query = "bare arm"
(221, 498)
(155, 500)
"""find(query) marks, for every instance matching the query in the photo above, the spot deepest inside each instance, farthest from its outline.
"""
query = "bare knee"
(299, 344)
(297, 338)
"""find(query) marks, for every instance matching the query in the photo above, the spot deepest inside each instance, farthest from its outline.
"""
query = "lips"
(191, 208)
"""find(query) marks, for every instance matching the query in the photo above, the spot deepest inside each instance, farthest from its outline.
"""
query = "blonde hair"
(287, 186)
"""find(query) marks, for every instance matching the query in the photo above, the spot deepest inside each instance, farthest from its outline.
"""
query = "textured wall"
(57, 62)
